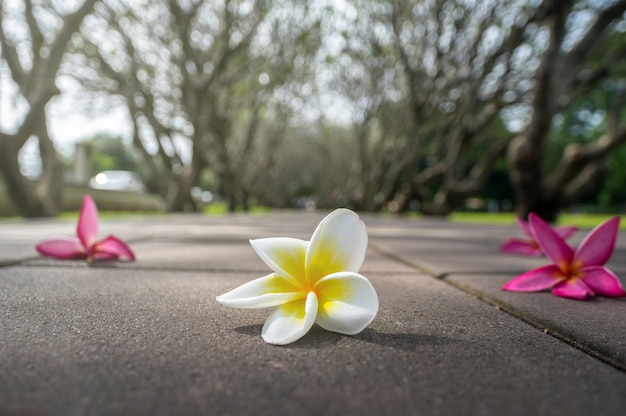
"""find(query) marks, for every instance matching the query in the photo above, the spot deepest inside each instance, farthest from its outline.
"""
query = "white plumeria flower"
(313, 281)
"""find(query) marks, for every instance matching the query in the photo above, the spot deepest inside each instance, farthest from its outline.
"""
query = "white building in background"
(82, 169)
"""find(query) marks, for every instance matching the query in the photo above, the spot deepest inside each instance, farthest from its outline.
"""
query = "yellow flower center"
(570, 271)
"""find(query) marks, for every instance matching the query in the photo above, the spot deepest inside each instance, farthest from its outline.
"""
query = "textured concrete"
(441, 247)
(148, 338)
(467, 256)
(98, 341)
(597, 326)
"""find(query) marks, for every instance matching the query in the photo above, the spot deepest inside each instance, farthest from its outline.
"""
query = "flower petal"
(62, 248)
(566, 231)
(523, 225)
(550, 242)
(603, 282)
(347, 303)
(111, 248)
(289, 322)
(598, 245)
(573, 289)
(266, 291)
(285, 256)
(535, 280)
(523, 247)
(87, 229)
(338, 244)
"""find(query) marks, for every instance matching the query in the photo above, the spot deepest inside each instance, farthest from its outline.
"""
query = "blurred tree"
(612, 196)
(584, 49)
(428, 83)
(33, 41)
(198, 77)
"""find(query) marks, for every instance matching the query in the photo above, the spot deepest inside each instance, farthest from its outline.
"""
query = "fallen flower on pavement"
(86, 246)
(313, 281)
(530, 247)
(575, 274)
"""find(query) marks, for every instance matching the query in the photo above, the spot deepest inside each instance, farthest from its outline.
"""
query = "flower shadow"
(252, 330)
(401, 341)
(315, 338)
(320, 338)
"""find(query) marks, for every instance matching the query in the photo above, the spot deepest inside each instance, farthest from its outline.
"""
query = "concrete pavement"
(148, 337)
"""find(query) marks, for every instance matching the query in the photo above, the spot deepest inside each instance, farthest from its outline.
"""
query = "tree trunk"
(18, 187)
(51, 182)
(524, 161)
(535, 190)
(179, 197)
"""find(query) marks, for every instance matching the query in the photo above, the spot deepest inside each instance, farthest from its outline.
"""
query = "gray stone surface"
(106, 341)
(597, 326)
(234, 255)
(467, 256)
(441, 247)
(149, 338)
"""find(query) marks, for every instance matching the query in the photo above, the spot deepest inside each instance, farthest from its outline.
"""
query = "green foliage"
(111, 153)
(613, 195)
(583, 123)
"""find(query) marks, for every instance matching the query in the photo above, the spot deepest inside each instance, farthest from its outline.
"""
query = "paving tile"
(235, 255)
(118, 341)
(191, 242)
(297, 224)
(11, 253)
(441, 247)
(595, 325)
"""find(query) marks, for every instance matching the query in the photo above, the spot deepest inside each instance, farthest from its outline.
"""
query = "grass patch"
(483, 217)
(588, 220)
(221, 208)
(73, 215)
(581, 220)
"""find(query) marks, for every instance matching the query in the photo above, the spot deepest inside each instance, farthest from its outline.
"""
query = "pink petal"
(535, 280)
(550, 242)
(523, 225)
(111, 248)
(598, 245)
(573, 289)
(87, 228)
(603, 282)
(62, 248)
(518, 246)
(566, 231)
(104, 256)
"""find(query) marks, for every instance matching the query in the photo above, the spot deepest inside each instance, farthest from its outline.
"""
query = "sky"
(66, 131)
(65, 127)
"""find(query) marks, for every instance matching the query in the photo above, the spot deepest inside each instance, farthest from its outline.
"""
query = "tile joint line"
(506, 309)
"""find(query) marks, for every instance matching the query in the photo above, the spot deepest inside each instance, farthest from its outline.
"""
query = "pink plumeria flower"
(530, 247)
(86, 246)
(575, 274)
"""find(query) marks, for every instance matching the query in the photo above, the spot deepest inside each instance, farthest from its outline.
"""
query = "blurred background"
(401, 106)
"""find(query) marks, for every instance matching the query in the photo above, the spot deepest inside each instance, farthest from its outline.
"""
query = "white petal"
(347, 303)
(289, 322)
(285, 256)
(337, 245)
(266, 291)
